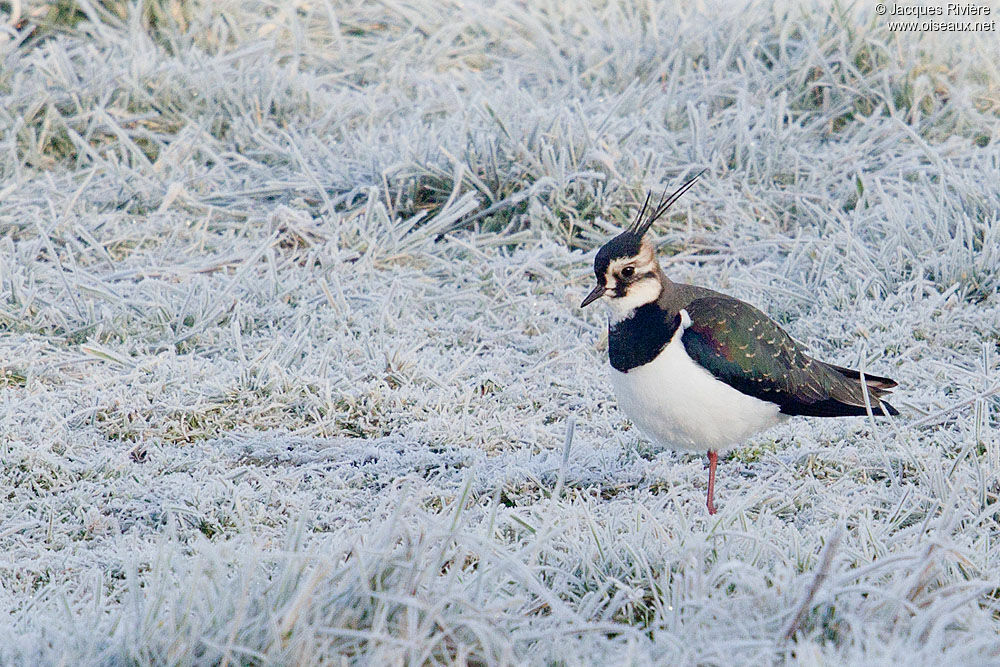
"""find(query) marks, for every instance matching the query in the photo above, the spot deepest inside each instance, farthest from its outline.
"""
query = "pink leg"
(713, 460)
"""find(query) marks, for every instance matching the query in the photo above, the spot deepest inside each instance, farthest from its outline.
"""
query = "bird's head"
(625, 267)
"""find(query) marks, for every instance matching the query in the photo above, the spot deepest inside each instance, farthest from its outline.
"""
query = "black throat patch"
(636, 340)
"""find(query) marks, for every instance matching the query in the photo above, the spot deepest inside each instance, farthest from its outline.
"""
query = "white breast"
(680, 405)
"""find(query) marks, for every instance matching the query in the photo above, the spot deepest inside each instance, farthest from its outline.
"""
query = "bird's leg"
(713, 460)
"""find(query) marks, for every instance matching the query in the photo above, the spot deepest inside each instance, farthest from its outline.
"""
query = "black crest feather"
(643, 221)
(627, 243)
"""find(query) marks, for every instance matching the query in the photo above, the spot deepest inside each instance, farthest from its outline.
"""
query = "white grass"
(254, 408)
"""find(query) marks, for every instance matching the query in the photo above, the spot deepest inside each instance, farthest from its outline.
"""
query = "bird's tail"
(877, 387)
(874, 382)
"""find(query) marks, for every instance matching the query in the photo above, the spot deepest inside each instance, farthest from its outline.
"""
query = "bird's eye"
(628, 272)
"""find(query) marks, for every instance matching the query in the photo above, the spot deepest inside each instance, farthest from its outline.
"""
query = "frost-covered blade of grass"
(289, 337)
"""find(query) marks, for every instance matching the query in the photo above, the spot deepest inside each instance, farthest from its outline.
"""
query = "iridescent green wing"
(742, 347)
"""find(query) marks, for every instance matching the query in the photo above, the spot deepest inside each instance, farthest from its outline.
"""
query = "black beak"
(593, 296)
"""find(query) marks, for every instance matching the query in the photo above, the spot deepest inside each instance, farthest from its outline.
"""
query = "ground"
(292, 367)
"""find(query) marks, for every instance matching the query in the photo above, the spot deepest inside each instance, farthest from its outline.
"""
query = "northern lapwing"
(697, 370)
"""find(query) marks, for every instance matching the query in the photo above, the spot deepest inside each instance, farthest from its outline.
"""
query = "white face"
(632, 282)
(638, 294)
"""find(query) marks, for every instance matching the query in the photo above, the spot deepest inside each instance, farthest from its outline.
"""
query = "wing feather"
(741, 346)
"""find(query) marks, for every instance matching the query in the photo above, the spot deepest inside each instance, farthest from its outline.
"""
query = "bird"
(697, 370)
